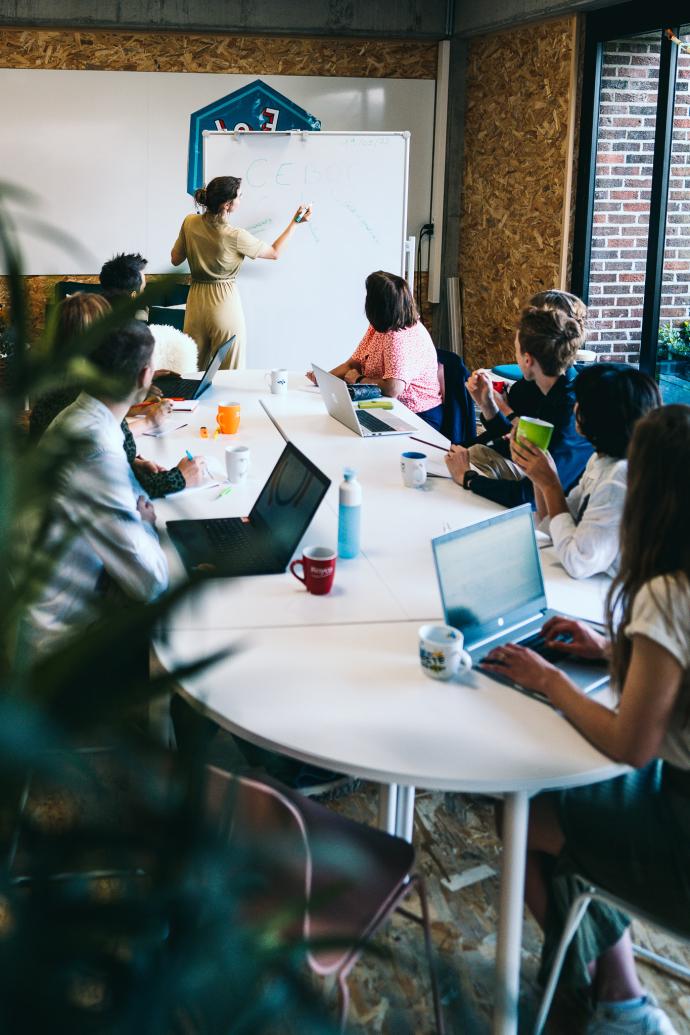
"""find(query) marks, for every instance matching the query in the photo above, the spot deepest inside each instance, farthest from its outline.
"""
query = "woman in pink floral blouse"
(396, 352)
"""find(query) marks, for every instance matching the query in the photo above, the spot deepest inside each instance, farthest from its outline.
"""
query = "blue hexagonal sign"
(256, 106)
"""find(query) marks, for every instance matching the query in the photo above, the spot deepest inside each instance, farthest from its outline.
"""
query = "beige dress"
(215, 251)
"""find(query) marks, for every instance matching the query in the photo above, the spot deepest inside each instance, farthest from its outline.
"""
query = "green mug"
(538, 432)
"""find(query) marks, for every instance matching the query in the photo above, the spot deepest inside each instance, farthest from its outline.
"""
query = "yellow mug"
(228, 418)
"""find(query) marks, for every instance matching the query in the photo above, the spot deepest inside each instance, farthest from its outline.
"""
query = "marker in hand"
(303, 209)
(189, 455)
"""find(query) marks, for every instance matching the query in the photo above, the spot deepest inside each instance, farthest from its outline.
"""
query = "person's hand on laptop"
(524, 667)
(458, 462)
(193, 471)
(146, 510)
(576, 638)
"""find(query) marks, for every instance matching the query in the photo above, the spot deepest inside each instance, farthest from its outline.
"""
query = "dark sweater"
(46, 409)
(569, 449)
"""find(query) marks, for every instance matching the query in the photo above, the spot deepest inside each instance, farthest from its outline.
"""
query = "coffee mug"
(318, 568)
(237, 463)
(440, 651)
(538, 432)
(228, 417)
(278, 381)
(413, 468)
(499, 386)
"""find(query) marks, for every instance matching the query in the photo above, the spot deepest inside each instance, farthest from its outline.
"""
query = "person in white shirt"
(100, 537)
(585, 525)
(629, 835)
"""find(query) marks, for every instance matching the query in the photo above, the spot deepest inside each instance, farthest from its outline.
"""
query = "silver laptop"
(492, 589)
(366, 423)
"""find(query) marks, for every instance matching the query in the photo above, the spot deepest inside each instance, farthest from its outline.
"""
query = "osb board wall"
(515, 178)
(197, 52)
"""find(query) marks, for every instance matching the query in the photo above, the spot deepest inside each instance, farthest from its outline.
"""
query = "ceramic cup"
(440, 651)
(318, 569)
(237, 463)
(538, 432)
(277, 380)
(413, 468)
(228, 417)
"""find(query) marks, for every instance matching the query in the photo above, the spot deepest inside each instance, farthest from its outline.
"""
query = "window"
(631, 259)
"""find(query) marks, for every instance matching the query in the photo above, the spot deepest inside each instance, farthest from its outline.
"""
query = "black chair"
(459, 422)
(170, 317)
(63, 288)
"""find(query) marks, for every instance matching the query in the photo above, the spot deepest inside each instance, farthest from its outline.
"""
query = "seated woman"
(397, 352)
(75, 314)
(631, 834)
(585, 525)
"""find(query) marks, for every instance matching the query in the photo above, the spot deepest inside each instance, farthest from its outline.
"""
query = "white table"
(335, 680)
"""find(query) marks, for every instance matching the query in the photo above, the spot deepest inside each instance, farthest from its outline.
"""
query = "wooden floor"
(459, 855)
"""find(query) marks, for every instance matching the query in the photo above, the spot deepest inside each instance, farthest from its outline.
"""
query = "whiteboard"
(309, 304)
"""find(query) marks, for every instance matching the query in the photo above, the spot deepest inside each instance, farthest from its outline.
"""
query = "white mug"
(278, 381)
(237, 463)
(440, 651)
(413, 468)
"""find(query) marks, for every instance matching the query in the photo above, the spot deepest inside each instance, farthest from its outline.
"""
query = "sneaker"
(645, 1018)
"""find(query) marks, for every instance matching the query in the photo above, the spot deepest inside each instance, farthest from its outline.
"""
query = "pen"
(434, 444)
(189, 455)
(224, 492)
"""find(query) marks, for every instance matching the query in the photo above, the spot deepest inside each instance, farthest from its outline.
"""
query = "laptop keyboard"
(230, 535)
(537, 643)
(177, 387)
(370, 422)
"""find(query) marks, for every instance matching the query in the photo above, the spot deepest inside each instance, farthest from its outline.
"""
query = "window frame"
(630, 19)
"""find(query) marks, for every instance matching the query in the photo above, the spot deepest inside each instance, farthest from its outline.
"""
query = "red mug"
(499, 386)
(318, 566)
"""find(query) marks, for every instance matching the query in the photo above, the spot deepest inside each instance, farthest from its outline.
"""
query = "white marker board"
(309, 304)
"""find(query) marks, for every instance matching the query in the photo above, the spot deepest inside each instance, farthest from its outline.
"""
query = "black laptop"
(175, 387)
(264, 542)
(492, 589)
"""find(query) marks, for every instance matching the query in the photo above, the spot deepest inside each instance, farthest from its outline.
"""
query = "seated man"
(102, 530)
(546, 344)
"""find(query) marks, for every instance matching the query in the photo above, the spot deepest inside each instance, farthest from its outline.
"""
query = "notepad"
(185, 404)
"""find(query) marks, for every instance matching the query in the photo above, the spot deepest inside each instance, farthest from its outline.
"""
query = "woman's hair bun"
(200, 196)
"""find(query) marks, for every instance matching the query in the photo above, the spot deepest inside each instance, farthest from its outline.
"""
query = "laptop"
(175, 387)
(263, 542)
(363, 422)
(492, 589)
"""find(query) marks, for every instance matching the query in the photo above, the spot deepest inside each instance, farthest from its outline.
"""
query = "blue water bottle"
(349, 513)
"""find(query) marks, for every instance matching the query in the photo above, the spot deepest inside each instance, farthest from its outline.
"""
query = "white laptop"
(492, 589)
(366, 423)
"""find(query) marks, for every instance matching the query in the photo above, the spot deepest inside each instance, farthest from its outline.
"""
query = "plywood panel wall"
(516, 200)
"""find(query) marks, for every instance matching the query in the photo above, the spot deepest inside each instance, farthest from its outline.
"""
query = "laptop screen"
(490, 575)
(289, 499)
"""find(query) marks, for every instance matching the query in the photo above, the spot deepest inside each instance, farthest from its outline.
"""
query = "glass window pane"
(625, 151)
(673, 353)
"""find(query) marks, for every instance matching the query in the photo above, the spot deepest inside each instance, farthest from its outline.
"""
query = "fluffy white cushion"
(173, 349)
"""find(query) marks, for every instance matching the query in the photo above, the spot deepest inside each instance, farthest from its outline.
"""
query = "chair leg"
(343, 1000)
(433, 973)
(676, 970)
(575, 916)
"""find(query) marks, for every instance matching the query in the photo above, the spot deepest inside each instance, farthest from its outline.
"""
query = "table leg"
(404, 819)
(388, 801)
(509, 943)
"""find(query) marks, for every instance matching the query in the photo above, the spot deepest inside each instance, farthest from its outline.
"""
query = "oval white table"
(335, 680)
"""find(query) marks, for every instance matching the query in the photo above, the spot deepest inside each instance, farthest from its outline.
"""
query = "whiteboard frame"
(304, 133)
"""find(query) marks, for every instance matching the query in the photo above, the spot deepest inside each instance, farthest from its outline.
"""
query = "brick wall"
(622, 193)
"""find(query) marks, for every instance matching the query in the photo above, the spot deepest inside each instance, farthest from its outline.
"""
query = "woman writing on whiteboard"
(215, 250)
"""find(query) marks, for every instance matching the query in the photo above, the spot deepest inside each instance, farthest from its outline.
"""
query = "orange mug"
(228, 418)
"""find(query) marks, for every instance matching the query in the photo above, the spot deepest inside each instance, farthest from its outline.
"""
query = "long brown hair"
(655, 529)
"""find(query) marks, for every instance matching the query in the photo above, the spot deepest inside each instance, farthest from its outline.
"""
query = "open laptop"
(492, 589)
(363, 422)
(175, 387)
(264, 542)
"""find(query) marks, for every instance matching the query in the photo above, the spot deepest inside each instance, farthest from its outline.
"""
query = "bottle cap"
(349, 473)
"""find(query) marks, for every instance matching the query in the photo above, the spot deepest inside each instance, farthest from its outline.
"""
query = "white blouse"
(587, 538)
